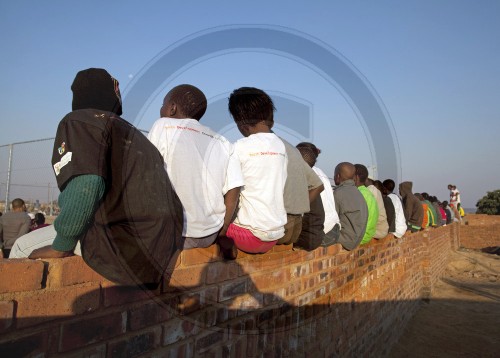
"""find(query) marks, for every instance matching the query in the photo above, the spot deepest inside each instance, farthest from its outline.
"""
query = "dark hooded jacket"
(414, 213)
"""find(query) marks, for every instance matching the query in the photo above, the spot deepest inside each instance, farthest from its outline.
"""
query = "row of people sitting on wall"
(250, 195)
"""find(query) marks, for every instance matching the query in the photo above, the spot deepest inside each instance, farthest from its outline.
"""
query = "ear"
(169, 110)
(172, 110)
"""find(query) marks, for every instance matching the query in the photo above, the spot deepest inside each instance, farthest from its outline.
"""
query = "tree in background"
(489, 204)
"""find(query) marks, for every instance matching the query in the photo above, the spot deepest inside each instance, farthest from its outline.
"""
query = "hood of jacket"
(405, 188)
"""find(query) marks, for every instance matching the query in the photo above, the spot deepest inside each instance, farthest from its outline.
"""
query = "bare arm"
(230, 201)
(314, 193)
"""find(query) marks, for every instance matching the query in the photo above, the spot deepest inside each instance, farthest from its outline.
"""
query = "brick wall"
(481, 231)
(283, 303)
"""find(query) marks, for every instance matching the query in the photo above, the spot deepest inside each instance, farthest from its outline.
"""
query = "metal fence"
(26, 173)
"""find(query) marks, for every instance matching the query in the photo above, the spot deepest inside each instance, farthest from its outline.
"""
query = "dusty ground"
(462, 319)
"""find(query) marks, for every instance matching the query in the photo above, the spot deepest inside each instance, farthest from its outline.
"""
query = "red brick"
(281, 248)
(47, 305)
(208, 340)
(91, 330)
(222, 271)
(304, 268)
(185, 349)
(232, 289)
(114, 295)
(6, 315)
(178, 329)
(149, 314)
(33, 345)
(276, 278)
(200, 256)
(70, 271)
(20, 275)
(183, 279)
(262, 262)
(132, 346)
(91, 352)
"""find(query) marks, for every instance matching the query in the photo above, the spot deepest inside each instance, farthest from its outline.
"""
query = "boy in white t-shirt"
(261, 214)
(197, 161)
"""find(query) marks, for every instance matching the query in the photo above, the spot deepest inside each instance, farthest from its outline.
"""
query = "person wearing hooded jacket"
(116, 199)
(414, 213)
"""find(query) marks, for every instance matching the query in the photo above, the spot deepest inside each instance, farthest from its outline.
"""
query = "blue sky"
(433, 64)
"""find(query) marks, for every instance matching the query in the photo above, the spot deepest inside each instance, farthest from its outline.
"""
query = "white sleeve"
(234, 177)
(155, 136)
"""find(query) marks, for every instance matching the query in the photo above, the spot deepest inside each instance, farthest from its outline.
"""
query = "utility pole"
(7, 185)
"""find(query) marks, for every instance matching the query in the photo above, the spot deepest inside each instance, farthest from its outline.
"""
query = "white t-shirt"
(400, 215)
(331, 216)
(197, 162)
(263, 161)
(455, 197)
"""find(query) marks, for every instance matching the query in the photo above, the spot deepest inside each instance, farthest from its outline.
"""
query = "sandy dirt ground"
(462, 318)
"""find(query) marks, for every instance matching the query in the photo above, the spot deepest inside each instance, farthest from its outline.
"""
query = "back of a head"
(419, 196)
(425, 196)
(405, 188)
(190, 101)
(361, 173)
(95, 88)
(378, 184)
(389, 184)
(17, 203)
(308, 155)
(39, 219)
(345, 171)
(249, 106)
(311, 146)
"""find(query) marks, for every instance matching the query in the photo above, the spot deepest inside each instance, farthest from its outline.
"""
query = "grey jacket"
(353, 214)
(13, 225)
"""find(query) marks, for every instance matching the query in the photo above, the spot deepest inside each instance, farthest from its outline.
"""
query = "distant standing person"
(454, 196)
(13, 224)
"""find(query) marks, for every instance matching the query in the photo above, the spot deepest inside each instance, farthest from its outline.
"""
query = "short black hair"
(389, 184)
(249, 106)
(310, 146)
(361, 172)
(308, 155)
(190, 100)
(17, 203)
(425, 196)
(39, 219)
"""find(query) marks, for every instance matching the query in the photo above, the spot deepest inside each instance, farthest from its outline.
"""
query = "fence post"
(7, 186)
